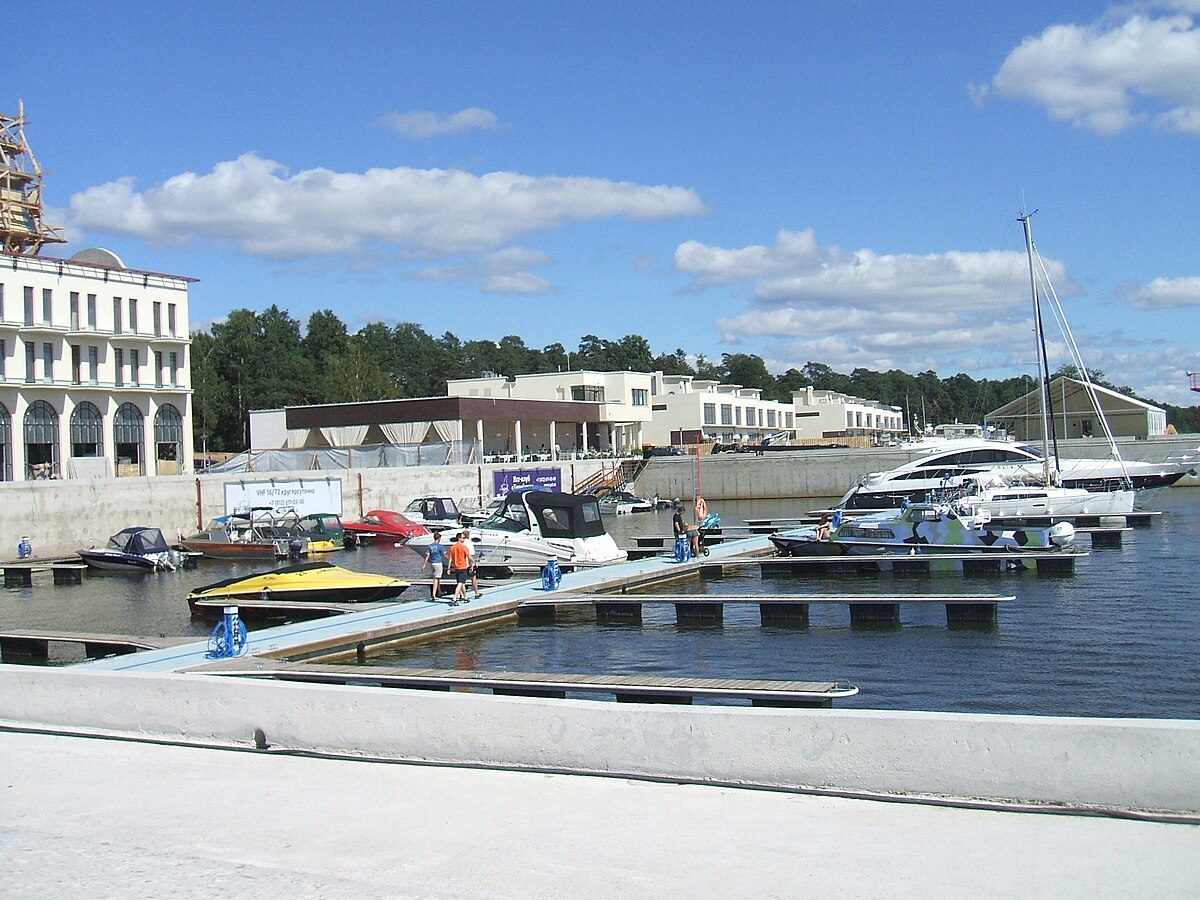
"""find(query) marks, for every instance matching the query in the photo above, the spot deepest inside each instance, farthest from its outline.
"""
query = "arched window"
(41, 441)
(128, 434)
(87, 431)
(6, 473)
(168, 439)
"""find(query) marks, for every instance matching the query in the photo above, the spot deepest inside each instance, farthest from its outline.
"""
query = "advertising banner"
(305, 495)
(508, 480)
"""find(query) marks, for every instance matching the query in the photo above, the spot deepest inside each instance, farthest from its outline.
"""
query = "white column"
(553, 440)
(583, 430)
(479, 437)
(520, 444)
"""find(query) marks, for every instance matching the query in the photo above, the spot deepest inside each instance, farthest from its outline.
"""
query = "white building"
(93, 368)
(623, 398)
(829, 414)
(689, 410)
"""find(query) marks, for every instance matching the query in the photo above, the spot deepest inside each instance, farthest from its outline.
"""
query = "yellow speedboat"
(317, 581)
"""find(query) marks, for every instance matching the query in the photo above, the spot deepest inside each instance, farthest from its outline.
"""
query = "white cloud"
(1109, 76)
(1167, 293)
(420, 125)
(863, 308)
(257, 206)
(502, 272)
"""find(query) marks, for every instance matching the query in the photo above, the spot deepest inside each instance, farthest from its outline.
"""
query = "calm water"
(1120, 637)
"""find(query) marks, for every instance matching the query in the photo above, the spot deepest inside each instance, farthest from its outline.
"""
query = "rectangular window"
(1, 301)
(91, 312)
(171, 319)
(737, 415)
(173, 369)
(3, 357)
(590, 392)
(749, 416)
(119, 366)
(30, 356)
(157, 319)
(48, 362)
(726, 413)
(117, 327)
(641, 397)
(858, 420)
(158, 368)
(28, 306)
(710, 414)
(135, 364)
(47, 306)
(76, 363)
(133, 323)
(849, 419)
(93, 364)
(74, 310)
(770, 418)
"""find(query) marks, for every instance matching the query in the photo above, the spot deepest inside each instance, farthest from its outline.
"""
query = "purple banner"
(509, 480)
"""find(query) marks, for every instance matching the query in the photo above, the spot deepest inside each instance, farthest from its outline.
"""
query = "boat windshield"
(513, 518)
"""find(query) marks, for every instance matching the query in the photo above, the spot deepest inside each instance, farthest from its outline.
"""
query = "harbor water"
(1119, 637)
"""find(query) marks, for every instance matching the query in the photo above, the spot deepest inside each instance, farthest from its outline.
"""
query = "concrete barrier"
(1123, 764)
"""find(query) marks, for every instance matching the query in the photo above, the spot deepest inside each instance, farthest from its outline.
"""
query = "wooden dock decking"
(25, 644)
(624, 688)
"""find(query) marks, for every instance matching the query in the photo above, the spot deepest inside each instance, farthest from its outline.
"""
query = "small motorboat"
(136, 549)
(260, 532)
(307, 582)
(920, 529)
(434, 512)
(532, 527)
(385, 525)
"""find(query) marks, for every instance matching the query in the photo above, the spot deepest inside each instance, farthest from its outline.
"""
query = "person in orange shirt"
(459, 558)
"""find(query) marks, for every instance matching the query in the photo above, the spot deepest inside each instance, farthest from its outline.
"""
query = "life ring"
(701, 509)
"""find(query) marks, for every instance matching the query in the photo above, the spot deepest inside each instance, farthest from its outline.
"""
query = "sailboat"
(1017, 479)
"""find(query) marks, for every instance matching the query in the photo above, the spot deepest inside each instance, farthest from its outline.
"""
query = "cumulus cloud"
(504, 272)
(862, 308)
(1111, 75)
(421, 125)
(260, 208)
(1167, 293)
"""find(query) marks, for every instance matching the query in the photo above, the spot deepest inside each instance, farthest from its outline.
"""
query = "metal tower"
(21, 227)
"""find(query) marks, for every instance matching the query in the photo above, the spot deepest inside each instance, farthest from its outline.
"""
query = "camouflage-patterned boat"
(922, 529)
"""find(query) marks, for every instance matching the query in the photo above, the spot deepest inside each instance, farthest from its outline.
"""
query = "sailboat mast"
(1043, 374)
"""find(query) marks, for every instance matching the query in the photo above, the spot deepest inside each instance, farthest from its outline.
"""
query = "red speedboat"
(385, 525)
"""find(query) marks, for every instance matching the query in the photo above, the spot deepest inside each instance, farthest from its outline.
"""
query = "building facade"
(93, 369)
(829, 414)
(1074, 414)
(689, 410)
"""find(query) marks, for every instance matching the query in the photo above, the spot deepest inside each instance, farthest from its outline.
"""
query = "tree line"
(266, 360)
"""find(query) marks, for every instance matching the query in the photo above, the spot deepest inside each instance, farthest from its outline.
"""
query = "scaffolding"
(22, 229)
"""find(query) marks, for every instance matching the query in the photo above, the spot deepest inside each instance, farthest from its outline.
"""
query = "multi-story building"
(624, 408)
(689, 410)
(93, 368)
(829, 414)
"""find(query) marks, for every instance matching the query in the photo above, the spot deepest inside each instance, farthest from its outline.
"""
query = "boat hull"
(129, 563)
(312, 582)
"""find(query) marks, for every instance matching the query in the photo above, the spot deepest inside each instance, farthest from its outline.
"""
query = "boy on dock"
(434, 556)
(460, 564)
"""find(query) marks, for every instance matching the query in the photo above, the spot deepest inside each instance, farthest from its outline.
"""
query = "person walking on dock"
(434, 558)
(474, 566)
(460, 565)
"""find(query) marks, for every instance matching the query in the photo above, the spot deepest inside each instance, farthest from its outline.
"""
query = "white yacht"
(951, 466)
(532, 527)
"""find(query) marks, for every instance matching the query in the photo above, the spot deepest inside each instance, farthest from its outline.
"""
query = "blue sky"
(836, 182)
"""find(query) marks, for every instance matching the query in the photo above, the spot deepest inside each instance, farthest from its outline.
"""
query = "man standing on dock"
(434, 556)
(460, 564)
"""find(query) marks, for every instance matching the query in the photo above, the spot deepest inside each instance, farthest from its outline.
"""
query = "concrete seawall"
(1119, 764)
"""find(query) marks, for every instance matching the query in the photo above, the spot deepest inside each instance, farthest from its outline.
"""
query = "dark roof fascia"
(440, 408)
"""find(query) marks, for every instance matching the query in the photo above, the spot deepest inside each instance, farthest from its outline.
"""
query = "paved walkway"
(101, 818)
